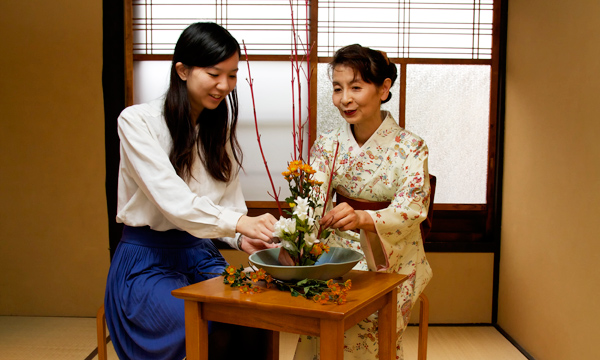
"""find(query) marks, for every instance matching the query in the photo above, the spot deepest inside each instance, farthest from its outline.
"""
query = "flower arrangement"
(300, 233)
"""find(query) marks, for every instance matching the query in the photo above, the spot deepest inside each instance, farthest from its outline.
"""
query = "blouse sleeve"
(148, 164)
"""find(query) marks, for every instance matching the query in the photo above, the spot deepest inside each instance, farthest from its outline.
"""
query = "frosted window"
(448, 106)
(328, 116)
(273, 98)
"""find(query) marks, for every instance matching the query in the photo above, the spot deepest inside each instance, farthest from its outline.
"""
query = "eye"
(213, 75)
(337, 89)
(356, 88)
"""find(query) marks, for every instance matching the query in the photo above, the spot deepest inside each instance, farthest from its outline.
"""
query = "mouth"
(216, 97)
(349, 112)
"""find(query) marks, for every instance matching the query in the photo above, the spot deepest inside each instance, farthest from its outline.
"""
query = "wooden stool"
(423, 326)
(101, 333)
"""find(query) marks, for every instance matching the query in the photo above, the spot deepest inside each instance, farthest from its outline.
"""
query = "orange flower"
(262, 273)
(316, 250)
(230, 269)
(231, 279)
(341, 300)
(324, 298)
(348, 284)
(244, 288)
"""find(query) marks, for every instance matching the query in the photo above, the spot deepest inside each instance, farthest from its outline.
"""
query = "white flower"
(279, 226)
(290, 226)
(284, 226)
(301, 208)
(311, 221)
(310, 239)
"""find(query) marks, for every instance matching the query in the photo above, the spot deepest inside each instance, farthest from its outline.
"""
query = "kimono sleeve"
(409, 205)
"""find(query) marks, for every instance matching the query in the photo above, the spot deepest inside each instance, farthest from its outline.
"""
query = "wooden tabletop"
(364, 290)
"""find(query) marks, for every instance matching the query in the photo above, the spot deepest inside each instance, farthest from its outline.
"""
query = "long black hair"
(202, 45)
(372, 65)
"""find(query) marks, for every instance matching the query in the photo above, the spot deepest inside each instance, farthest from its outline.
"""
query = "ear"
(385, 88)
(182, 71)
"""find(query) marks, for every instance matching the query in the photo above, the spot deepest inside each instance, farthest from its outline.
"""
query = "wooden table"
(276, 310)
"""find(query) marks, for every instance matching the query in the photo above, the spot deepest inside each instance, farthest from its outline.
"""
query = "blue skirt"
(144, 320)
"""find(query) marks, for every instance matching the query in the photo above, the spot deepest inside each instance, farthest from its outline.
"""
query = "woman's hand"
(257, 227)
(284, 257)
(344, 217)
(250, 246)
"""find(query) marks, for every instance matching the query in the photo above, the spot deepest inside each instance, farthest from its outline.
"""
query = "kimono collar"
(387, 126)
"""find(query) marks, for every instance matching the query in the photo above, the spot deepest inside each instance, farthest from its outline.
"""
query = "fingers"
(284, 257)
(341, 217)
(259, 227)
(251, 246)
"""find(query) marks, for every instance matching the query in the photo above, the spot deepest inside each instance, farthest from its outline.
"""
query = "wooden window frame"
(456, 227)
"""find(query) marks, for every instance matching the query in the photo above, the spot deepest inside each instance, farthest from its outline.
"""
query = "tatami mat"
(56, 338)
(27, 338)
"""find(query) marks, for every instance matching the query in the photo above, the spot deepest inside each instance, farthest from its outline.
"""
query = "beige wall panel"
(549, 272)
(461, 288)
(54, 237)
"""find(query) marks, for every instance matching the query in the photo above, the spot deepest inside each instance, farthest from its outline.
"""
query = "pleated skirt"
(144, 320)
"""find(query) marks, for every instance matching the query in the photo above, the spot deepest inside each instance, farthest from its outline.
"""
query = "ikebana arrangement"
(300, 232)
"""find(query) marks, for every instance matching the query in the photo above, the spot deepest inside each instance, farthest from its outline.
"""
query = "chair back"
(428, 223)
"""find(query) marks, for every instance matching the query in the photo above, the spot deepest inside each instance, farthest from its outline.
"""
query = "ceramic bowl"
(336, 263)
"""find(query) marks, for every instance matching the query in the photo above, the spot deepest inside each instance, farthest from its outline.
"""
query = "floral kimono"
(390, 166)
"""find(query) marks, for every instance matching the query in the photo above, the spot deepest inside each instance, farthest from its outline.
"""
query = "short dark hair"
(372, 65)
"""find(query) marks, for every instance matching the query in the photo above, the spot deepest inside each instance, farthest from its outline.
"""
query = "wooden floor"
(55, 338)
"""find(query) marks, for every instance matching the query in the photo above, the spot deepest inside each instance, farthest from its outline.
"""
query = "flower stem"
(328, 197)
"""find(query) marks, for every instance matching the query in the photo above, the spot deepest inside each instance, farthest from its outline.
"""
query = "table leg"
(196, 332)
(387, 326)
(273, 343)
(332, 340)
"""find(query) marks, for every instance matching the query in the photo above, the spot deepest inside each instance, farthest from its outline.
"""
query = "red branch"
(328, 197)
(308, 78)
(250, 81)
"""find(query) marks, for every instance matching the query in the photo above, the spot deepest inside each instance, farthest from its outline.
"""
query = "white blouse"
(151, 193)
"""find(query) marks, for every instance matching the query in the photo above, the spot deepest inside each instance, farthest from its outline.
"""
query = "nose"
(346, 97)
(223, 84)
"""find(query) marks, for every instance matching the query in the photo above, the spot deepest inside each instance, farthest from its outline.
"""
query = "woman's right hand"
(257, 227)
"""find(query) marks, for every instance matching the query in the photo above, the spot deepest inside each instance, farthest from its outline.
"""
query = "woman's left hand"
(251, 246)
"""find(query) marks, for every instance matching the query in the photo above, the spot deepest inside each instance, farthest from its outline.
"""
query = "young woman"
(178, 188)
(382, 167)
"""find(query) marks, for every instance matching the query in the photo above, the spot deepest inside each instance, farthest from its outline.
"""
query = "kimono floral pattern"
(390, 166)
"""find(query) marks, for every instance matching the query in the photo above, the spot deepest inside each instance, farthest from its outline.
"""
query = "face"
(208, 86)
(359, 102)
